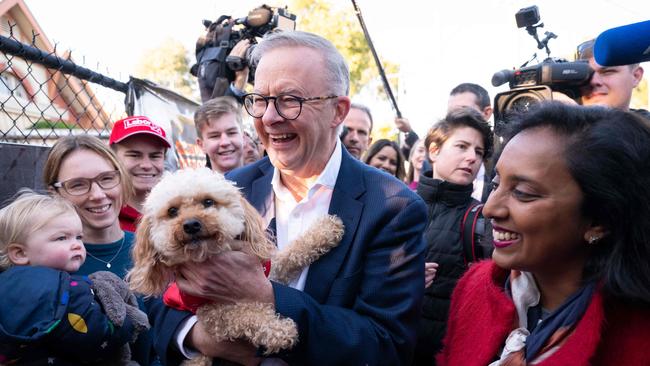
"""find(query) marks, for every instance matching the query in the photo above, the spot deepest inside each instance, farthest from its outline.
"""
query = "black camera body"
(530, 85)
(215, 68)
(527, 17)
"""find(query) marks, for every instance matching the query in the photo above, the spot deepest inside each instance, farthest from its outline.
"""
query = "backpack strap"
(468, 231)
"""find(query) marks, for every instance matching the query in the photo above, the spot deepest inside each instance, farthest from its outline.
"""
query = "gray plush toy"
(118, 303)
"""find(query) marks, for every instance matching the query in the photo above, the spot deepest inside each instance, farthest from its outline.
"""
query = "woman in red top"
(569, 283)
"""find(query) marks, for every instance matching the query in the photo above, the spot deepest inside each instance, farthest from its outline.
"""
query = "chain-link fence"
(44, 95)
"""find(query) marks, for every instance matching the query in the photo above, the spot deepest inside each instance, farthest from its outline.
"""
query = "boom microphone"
(629, 44)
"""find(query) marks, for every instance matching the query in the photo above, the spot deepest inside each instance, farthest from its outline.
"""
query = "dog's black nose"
(192, 226)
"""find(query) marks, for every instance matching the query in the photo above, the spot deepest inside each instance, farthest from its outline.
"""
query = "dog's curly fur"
(190, 215)
(318, 239)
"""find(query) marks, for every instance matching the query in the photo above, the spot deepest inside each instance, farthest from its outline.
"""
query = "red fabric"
(136, 125)
(482, 315)
(267, 267)
(174, 298)
(129, 217)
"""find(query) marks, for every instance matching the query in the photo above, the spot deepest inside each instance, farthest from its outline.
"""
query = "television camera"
(531, 84)
(215, 68)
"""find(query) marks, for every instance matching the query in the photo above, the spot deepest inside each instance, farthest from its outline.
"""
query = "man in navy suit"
(359, 303)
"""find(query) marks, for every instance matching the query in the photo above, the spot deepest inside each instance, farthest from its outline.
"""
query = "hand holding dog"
(238, 351)
(229, 277)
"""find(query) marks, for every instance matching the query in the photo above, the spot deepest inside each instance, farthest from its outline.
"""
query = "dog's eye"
(208, 203)
(172, 211)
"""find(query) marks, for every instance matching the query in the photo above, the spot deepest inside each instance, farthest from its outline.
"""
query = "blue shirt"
(118, 254)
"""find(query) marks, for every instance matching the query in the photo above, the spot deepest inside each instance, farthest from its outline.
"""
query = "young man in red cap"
(140, 145)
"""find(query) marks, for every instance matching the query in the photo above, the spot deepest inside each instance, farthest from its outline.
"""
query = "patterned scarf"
(536, 339)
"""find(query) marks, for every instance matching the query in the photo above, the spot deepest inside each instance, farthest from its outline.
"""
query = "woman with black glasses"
(84, 171)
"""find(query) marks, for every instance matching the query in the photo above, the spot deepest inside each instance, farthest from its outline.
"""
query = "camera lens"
(523, 102)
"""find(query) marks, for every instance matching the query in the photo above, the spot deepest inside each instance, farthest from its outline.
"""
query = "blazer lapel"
(261, 195)
(345, 204)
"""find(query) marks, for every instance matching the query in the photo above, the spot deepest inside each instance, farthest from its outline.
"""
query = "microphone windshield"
(501, 77)
(629, 44)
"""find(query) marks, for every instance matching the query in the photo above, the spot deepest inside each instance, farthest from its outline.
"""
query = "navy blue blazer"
(361, 301)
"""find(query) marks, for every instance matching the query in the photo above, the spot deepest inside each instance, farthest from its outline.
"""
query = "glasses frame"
(96, 179)
(301, 100)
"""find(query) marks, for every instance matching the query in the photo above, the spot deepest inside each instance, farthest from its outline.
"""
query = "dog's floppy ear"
(255, 233)
(148, 276)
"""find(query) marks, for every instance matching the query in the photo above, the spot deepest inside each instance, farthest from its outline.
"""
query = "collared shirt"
(292, 219)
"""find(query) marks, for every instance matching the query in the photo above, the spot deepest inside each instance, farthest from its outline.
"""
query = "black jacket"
(641, 112)
(446, 205)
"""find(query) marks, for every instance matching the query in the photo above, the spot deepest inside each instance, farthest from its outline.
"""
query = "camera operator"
(223, 54)
(610, 86)
(238, 85)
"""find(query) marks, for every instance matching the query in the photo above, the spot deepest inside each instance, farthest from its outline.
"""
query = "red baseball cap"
(135, 125)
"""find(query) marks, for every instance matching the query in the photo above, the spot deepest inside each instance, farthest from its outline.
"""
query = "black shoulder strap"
(467, 231)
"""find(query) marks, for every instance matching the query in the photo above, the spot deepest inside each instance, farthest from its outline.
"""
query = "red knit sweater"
(482, 315)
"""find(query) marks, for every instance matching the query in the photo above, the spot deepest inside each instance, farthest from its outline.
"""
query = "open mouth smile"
(503, 238)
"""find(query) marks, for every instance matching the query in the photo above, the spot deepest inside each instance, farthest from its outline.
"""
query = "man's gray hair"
(338, 74)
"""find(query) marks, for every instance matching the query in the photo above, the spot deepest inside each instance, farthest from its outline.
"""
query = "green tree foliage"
(341, 27)
(168, 66)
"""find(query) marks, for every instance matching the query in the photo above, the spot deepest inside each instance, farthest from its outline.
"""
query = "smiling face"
(385, 159)
(99, 208)
(418, 154)
(460, 157)
(535, 207)
(300, 147)
(143, 157)
(611, 86)
(222, 140)
(56, 245)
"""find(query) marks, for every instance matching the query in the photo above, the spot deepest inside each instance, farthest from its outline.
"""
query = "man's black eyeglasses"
(288, 106)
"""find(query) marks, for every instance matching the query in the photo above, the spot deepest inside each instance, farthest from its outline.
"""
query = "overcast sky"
(438, 44)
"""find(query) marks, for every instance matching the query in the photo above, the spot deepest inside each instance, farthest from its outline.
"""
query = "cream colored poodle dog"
(193, 214)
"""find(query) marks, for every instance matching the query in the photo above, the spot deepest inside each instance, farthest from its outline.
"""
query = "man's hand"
(241, 76)
(228, 277)
(430, 269)
(239, 351)
(403, 124)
